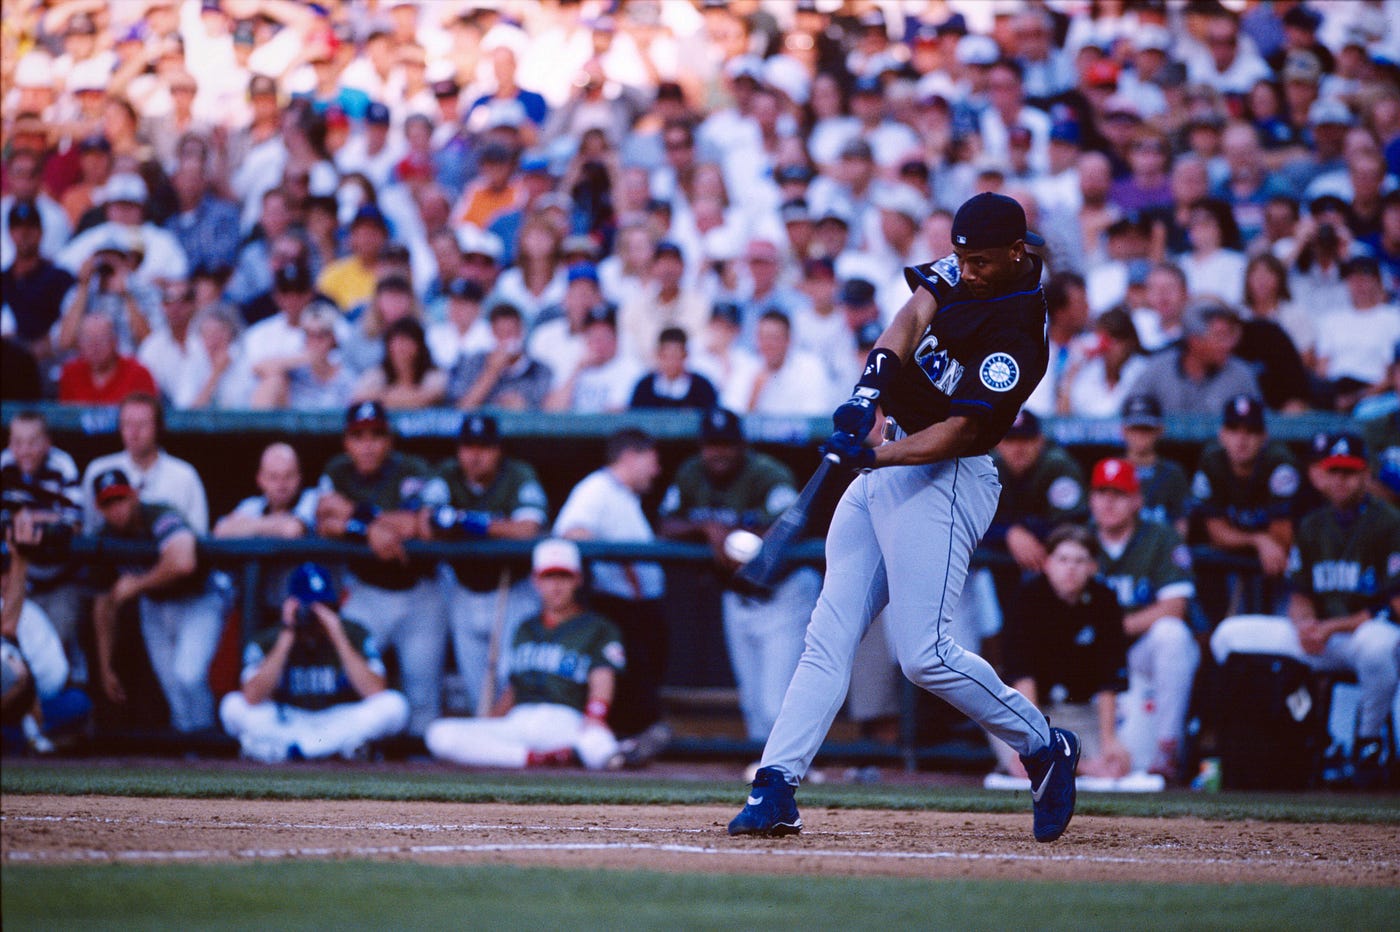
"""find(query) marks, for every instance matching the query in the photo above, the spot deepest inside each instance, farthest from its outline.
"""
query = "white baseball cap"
(557, 555)
(91, 75)
(34, 70)
(472, 240)
(124, 187)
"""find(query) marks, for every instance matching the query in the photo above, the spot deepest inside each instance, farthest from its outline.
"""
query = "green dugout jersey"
(1050, 493)
(1382, 436)
(403, 483)
(515, 494)
(1165, 492)
(1154, 565)
(761, 490)
(1347, 562)
(552, 664)
(314, 678)
(1251, 503)
(155, 524)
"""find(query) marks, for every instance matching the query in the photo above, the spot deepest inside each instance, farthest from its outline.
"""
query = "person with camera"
(313, 685)
(36, 701)
(180, 604)
(106, 287)
(42, 481)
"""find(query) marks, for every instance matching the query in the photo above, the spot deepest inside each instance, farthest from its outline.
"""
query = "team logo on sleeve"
(1064, 493)
(1283, 482)
(947, 269)
(999, 372)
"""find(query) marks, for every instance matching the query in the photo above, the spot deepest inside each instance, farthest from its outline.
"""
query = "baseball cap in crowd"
(368, 213)
(474, 241)
(902, 199)
(1361, 265)
(667, 248)
(1066, 131)
(1102, 73)
(977, 50)
(534, 164)
(1026, 425)
(728, 312)
(1142, 411)
(869, 334)
(1244, 412)
(794, 174)
(720, 425)
(446, 87)
(1116, 474)
(366, 415)
(989, 220)
(601, 314)
(376, 114)
(857, 149)
(1300, 17)
(579, 244)
(479, 430)
(867, 84)
(795, 211)
(465, 289)
(123, 188)
(292, 276)
(1328, 111)
(24, 213)
(857, 291)
(556, 555)
(261, 85)
(34, 69)
(310, 583)
(1302, 65)
(582, 271)
(91, 75)
(1339, 451)
(1199, 314)
(1150, 38)
(111, 484)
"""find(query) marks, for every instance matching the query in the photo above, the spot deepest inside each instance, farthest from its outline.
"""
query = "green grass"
(358, 894)
(238, 781)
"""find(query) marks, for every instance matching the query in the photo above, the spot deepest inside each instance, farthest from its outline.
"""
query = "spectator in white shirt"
(723, 360)
(558, 342)
(789, 381)
(1355, 343)
(175, 350)
(1214, 266)
(225, 381)
(123, 199)
(605, 376)
(465, 331)
(158, 477)
(665, 302)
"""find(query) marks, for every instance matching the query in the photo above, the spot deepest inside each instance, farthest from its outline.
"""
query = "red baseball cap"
(1116, 474)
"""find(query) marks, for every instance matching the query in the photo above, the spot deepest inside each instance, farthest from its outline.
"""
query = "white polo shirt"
(610, 511)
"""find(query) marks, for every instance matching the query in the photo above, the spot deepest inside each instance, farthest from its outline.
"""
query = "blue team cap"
(310, 583)
(582, 271)
(376, 114)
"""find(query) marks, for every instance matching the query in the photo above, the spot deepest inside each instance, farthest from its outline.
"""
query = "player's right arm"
(942, 441)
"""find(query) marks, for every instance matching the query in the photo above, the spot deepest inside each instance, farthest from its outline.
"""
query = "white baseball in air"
(742, 546)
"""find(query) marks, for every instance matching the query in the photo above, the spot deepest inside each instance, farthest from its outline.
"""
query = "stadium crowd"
(597, 206)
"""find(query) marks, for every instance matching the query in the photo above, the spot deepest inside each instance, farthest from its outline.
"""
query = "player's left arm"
(602, 684)
(941, 441)
(909, 324)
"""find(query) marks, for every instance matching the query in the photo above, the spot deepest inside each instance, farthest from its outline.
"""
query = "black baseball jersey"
(1079, 646)
(314, 678)
(980, 357)
(552, 664)
(1165, 494)
(1249, 504)
(514, 494)
(1347, 562)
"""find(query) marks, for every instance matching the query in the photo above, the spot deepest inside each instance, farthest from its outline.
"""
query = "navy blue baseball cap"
(667, 247)
(479, 430)
(721, 425)
(292, 276)
(310, 583)
(1244, 412)
(110, 484)
(366, 415)
(1142, 411)
(465, 289)
(869, 334)
(370, 214)
(376, 114)
(727, 311)
(857, 291)
(24, 213)
(796, 174)
(1339, 451)
(988, 221)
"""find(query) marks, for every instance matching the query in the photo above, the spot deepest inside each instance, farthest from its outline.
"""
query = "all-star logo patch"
(1000, 372)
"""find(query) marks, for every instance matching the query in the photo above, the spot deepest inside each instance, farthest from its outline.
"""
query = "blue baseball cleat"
(771, 809)
(1051, 770)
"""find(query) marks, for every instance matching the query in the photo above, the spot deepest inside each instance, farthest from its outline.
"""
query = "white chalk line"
(498, 847)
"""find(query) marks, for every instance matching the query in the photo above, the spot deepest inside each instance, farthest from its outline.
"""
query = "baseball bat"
(761, 570)
(487, 698)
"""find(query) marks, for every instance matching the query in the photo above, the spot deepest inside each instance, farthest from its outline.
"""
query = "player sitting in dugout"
(563, 668)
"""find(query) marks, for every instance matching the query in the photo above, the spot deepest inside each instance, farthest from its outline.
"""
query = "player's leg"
(928, 524)
(158, 630)
(420, 636)
(477, 742)
(1373, 651)
(201, 624)
(853, 592)
(1170, 655)
(343, 729)
(742, 616)
(262, 735)
(781, 636)
(470, 628)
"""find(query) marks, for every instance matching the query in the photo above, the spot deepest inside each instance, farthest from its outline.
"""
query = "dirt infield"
(88, 829)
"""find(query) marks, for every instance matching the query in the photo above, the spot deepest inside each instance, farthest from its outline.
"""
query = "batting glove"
(849, 451)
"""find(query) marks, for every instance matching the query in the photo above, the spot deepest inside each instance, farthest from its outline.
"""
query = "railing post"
(252, 598)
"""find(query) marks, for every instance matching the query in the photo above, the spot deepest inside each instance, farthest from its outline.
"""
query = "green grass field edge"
(370, 782)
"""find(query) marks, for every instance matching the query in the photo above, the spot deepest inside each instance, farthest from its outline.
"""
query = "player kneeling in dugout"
(563, 667)
(314, 685)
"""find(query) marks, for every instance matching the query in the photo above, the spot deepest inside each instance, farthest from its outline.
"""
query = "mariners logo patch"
(948, 269)
(999, 372)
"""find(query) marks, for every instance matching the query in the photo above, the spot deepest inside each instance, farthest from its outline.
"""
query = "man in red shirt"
(99, 375)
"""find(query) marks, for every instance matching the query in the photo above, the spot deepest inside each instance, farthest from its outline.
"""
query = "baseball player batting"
(952, 369)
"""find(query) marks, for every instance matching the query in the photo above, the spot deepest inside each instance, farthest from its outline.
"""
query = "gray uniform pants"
(414, 621)
(764, 637)
(472, 616)
(902, 536)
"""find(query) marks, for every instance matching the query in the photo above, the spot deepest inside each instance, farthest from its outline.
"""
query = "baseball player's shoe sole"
(1052, 783)
(770, 809)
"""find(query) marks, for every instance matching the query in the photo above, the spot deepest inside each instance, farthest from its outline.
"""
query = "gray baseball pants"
(902, 536)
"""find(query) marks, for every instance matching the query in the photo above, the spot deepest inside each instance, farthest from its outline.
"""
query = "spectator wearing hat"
(313, 685)
(497, 497)
(605, 506)
(314, 379)
(1042, 487)
(374, 494)
(789, 381)
(504, 376)
(373, 152)
(605, 376)
(464, 332)
(350, 281)
(100, 374)
(206, 225)
(107, 286)
(123, 200)
(536, 182)
(557, 340)
(33, 287)
(1100, 378)
(671, 384)
(1354, 339)
(846, 193)
(494, 192)
(95, 165)
(1149, 569)
(24, 175)
(1165, 492)
(482, 253)
(725, 488)
(1341, 576)
(665, 302)
(723, 359)
(1201, 373)
(180, 603)
(562, 667)
(888, 139)
(280, 334)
